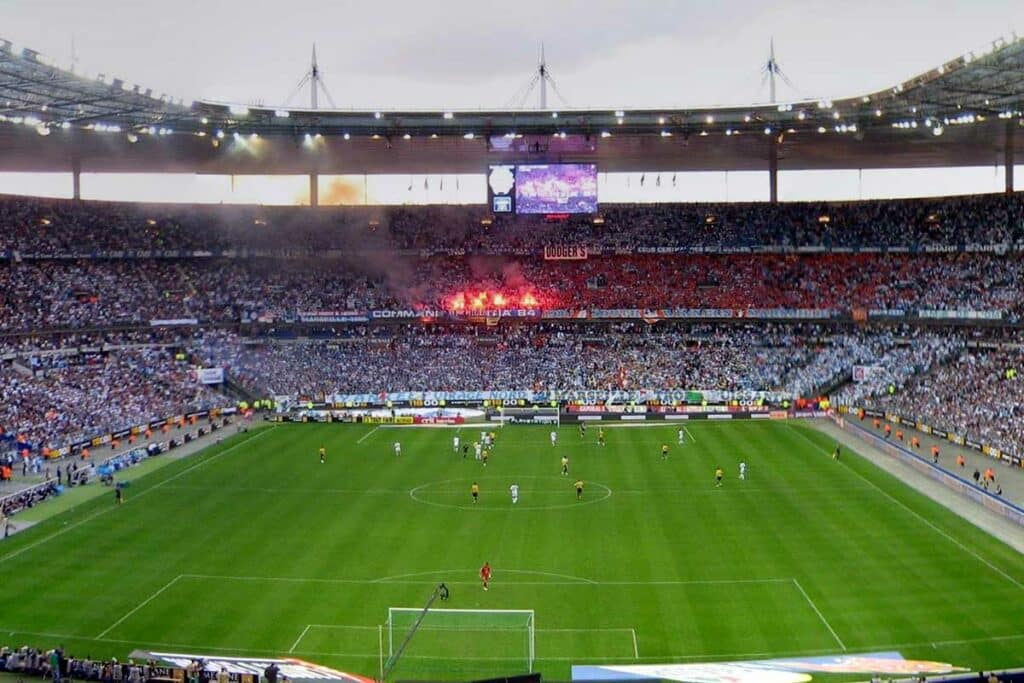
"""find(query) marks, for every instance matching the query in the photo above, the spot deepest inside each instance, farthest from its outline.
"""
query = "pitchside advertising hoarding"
(790, 670)
(250, 669)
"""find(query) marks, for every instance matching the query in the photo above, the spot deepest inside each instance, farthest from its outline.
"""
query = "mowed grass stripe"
(875, 573)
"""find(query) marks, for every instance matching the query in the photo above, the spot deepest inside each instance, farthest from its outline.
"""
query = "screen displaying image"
(556, 188)
(501, 187)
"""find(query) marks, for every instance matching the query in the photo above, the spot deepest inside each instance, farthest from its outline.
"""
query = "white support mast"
(542, 71)
(541, 77)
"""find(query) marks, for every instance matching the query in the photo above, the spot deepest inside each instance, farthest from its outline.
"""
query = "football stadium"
(529, 392)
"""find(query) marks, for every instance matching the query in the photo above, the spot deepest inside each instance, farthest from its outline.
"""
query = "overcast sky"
(456, 54)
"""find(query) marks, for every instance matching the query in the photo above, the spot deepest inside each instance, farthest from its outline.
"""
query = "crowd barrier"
(76, 447)
(960, 486)
(952, 437)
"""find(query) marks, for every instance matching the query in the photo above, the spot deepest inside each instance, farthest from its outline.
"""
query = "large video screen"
(556, 188)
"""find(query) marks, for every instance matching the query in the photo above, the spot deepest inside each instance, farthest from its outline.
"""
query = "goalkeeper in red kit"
(485, 574)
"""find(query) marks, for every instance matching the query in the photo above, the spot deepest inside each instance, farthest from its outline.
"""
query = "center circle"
(422, 493)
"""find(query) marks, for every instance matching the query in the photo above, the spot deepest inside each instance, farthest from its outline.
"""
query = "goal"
(530, 415)
(469, 641)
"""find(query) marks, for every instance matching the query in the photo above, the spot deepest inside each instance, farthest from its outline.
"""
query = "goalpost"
(530, 415)
(477, 640)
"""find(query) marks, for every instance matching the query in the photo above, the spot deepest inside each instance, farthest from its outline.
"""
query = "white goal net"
(472, 641)
(549, 415)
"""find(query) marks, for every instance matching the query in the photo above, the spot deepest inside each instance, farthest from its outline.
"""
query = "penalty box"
(684, 608)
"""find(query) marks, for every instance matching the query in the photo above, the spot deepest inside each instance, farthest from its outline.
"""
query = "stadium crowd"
(799, 360)
(54, 400)
(55, 665)
(65, 346)
(37, 295)
(43, 226)
(978, 395)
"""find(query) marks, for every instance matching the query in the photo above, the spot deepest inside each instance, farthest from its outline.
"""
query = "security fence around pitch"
(554, 413)
(106, 439)
(960, 486)
(951, 437)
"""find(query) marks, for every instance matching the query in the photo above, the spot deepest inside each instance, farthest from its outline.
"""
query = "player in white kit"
(514, 490)
(477, 450)
(398, 448)
(554, 437)
(743, 470)
(682, 436)
(455, 444)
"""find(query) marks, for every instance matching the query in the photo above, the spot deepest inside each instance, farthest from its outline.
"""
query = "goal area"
(472, 642)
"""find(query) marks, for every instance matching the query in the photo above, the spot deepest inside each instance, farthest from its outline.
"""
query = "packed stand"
(53, 400)
(894, 360)
(534, 357)
(80, 294)
(978, 396)
(895, 355)
(51, 227)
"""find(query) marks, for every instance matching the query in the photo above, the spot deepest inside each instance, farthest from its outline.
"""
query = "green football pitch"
(254, 547)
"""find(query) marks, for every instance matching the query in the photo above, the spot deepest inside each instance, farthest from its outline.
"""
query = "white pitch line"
(636, 650)
(660, 658)
(924, 520)
(103, 511)
(299, 639)
(689, 491)
(394, 582)
(554, 575)
(689, 434)
(820, 615)
(365, 436)
(142, 604)
(583, 630)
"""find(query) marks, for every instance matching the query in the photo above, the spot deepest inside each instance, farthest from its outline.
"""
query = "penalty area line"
(820, 615)
(367, 435)
(142, 604)
(299, 639)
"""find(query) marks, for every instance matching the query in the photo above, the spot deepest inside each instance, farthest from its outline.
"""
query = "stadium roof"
(960, 113)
